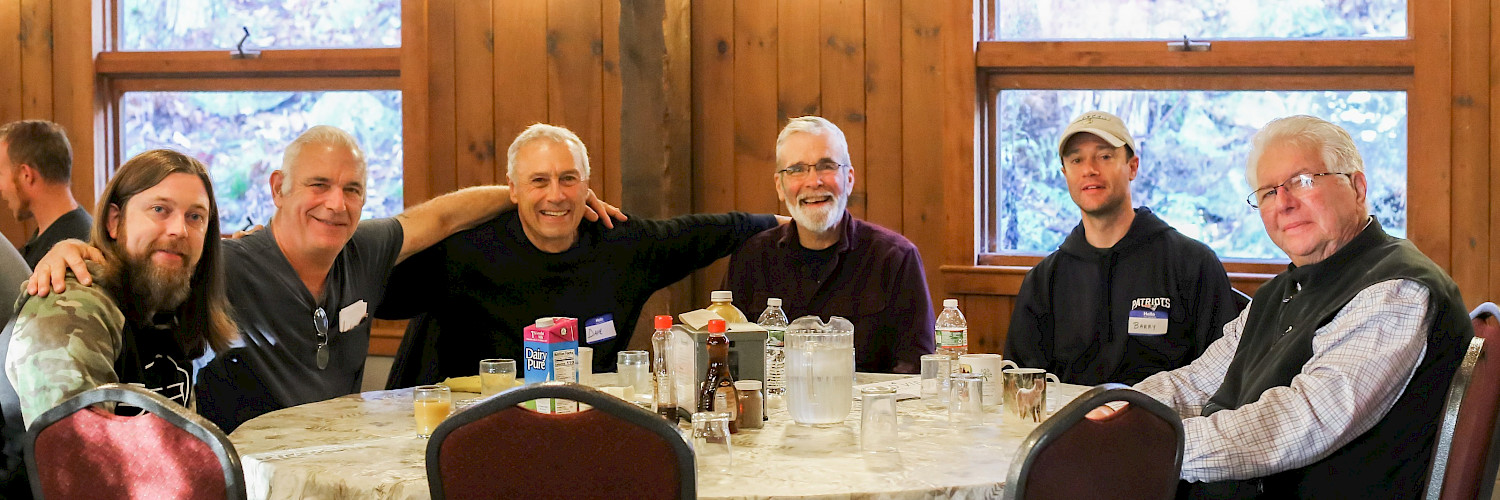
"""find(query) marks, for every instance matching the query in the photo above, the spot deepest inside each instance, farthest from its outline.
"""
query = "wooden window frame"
(1373, 64)
(401, 69)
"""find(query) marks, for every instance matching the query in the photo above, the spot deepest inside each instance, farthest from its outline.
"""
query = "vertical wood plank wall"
(897, 75)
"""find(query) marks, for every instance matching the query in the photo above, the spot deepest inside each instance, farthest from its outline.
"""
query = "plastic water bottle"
(774, 321)
(661, 345)
(952, 331)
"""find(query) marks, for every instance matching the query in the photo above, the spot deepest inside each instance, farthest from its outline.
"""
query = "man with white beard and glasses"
(160, 302)
(832, 264)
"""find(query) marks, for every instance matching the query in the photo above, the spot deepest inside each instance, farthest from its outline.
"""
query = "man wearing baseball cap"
(1125, 296)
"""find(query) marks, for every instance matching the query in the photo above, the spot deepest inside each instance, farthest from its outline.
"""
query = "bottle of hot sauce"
(718, 393)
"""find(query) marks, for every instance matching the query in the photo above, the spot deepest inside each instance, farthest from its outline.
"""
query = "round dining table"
(365, 446)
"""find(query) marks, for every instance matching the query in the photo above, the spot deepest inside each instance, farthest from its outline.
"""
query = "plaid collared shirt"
(1361, 363)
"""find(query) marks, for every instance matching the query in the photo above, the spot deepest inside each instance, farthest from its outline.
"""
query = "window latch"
(239, 48)
(1187, 45)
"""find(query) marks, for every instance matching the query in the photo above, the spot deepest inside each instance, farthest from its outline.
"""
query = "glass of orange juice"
(496, 375)
(431, 404)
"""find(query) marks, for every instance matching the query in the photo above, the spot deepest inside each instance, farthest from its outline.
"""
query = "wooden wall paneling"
(1493, 179)
(655, 119)
(798, 66)
(415, 121)
(11, 78)
(713, 97)
(989, 319)
(475, 92)
(841, 64)
(520, 71)
(757, 38)
(1429, 125)
(442, 98)
(36, 58)
(77, 35)
(958, 98)
(575, 95)
(882, 85)
(1471, 155)
(611, 106)
(922, 74)
(11, 88)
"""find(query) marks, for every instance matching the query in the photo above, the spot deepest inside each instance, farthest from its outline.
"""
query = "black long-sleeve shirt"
(479, 288)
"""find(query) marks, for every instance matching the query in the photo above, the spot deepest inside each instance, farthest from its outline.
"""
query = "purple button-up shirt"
(873, 278)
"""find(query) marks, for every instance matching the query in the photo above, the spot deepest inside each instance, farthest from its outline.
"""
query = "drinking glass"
(586, 366)
(496, 375)
(431, 404)
(935, 373)
(711, 445)
(819, 370)
(634, 368)
(877, 422)
(966, 402)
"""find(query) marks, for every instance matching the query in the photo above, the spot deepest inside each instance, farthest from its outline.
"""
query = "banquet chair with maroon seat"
(1134, 453)
(1464, 462)
(77, 450)
(497, 449)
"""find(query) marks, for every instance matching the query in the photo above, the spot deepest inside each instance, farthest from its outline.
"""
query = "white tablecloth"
(365, 446)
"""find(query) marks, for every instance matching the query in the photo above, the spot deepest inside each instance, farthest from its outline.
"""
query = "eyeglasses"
(320, 323)
(1295, 186)
(800, 170)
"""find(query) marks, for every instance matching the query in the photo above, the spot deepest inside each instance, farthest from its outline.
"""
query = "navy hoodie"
(1152, 302)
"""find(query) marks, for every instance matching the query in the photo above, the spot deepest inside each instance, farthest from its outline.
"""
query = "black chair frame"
(1072, 413)
(600, 401)
(156, 404)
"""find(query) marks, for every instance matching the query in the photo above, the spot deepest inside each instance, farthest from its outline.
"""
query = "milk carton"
(551, 350)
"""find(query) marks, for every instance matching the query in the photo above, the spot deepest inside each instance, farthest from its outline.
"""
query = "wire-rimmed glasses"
(1295, 186)
(801, 170)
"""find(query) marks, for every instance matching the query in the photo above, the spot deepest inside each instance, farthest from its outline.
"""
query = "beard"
(160, 288)
(815, 219)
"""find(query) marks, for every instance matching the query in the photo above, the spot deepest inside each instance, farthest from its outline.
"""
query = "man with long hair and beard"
(159, 305)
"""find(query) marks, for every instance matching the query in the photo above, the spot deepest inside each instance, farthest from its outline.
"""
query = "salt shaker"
(877, 423)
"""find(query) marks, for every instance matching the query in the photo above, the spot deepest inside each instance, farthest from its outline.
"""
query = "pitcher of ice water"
(819, 370)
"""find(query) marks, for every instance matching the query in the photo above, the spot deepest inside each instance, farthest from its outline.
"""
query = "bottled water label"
(953, 338)
(775, 369)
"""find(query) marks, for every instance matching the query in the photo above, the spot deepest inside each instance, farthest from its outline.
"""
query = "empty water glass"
(935, 373)
(877, 422)
(711, 445)
(634, 368)
(966, 400)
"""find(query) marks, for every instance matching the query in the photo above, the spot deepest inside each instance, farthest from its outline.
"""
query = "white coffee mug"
(988, 367)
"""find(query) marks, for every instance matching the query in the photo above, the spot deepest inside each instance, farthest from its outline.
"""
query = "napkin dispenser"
(747, 359)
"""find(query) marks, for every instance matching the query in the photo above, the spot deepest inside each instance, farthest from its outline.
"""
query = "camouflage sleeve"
(61, 345)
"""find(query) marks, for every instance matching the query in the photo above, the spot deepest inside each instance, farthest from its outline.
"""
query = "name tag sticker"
(599, 329)
(1148, 316)
(351, 315)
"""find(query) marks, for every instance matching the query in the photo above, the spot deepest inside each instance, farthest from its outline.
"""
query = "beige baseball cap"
(1107, 126)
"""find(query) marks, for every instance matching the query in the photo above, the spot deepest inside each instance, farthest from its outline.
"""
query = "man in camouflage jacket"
(160, 302)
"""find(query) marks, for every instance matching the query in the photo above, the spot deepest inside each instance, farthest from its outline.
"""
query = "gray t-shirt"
(274, 364)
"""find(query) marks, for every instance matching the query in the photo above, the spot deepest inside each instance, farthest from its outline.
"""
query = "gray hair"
(542, 131)
(815, 125)
(1332, 143)
(321, 134)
